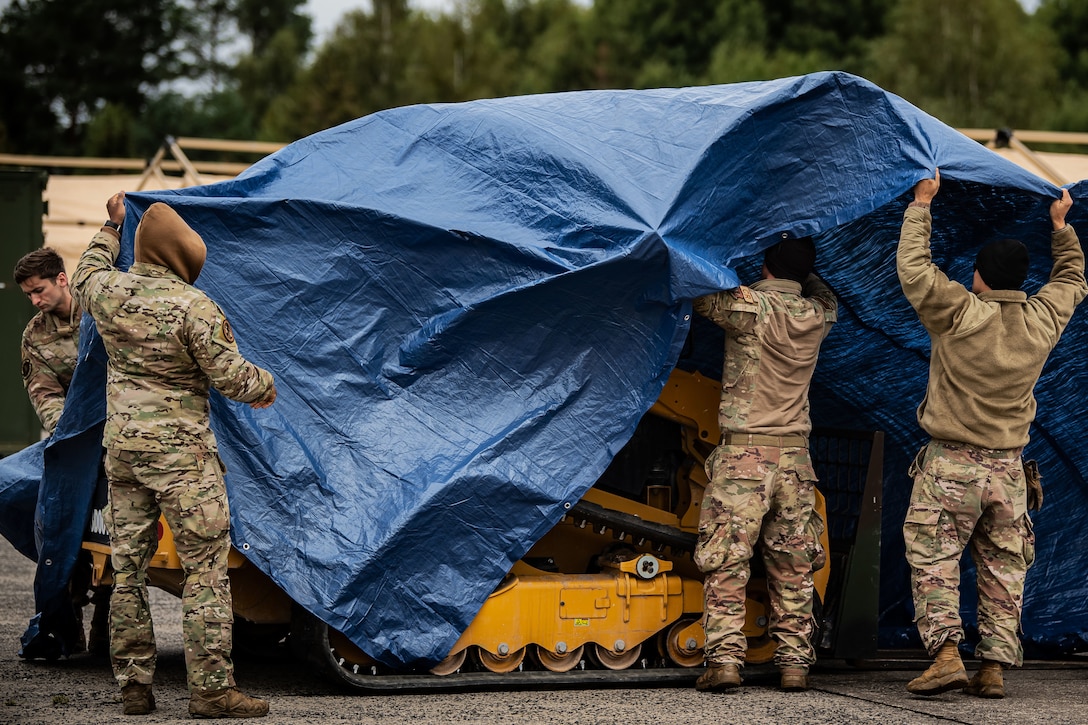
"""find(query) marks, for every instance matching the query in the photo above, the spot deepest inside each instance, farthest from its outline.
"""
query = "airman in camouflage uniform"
(167, 344)
(49, 351)
(988, 346)
(762, 484)
(51, 339)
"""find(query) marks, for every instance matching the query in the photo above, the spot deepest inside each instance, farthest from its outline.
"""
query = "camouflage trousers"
(968, 496)
(759, 495)
(188, 490)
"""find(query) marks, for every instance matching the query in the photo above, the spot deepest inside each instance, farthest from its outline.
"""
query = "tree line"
(113, 77)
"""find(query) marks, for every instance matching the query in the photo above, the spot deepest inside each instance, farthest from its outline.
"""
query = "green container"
(21, 211)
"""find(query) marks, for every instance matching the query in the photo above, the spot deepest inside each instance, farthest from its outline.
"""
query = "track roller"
(500, 663)
(612, 660)
(683, 651)
(559, 662)
(451, 664)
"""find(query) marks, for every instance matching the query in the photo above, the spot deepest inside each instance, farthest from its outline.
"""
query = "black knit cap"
(791, 258)
(1003, 264)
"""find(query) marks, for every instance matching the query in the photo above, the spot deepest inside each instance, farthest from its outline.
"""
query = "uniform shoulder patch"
(27, 369)
(743, 293)
(228, 333)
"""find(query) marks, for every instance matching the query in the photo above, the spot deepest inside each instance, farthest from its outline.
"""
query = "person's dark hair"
(44, 263)
(791, 258)
(1003, 264)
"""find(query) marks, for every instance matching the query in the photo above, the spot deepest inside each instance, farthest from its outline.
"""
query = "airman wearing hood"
(168, 343)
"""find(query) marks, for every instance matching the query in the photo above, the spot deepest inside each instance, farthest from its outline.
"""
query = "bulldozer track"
(311, 640)
(521, 680)
(624, 524)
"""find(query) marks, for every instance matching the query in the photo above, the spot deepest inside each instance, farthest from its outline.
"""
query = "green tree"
(1067, 20)
(111, 133)
(970, 64)
(560, 56)
(645, 43)
(207, 30)
(358, 70)
(838, 30)
(749, 49)
(113, 78)
(513, 47)
(214, 114)
(216, 34)
(394, 55)
(262, 20)
(240, 55)
(73, 58)
(279, 38)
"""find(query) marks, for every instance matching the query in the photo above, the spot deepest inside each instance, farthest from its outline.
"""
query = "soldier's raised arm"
(102, 252)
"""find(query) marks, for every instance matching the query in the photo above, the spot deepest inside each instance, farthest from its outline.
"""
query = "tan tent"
(76, 203)
(1057, 168)
(77, 208)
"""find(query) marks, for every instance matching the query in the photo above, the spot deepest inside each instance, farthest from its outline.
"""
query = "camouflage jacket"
(49, 351)
(987, 350)
(773, 334)
(167, 343)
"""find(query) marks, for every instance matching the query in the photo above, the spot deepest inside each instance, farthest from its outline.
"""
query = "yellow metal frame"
(255, 597)
(614, 610)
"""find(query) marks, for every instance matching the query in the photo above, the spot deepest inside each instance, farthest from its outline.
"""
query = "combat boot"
(987, 682)
(946, 673)
(794, 679)
(137, 699)
(226, 703)
(719, 678)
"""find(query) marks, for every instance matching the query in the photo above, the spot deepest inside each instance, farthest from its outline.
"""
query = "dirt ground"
(82, 690)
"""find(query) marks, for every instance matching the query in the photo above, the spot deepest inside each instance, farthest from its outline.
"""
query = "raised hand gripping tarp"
(468, 308)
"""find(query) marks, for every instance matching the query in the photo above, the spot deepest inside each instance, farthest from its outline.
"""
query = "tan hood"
(163, 238)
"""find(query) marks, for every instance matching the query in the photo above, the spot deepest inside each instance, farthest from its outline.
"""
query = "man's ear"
(62, 279)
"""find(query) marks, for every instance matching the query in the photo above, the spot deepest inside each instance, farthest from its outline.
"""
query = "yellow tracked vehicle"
(610, 594)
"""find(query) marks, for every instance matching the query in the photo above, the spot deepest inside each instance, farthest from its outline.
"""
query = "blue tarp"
(468, 308)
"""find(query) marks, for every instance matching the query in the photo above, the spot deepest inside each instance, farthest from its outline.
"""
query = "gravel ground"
(81, 689)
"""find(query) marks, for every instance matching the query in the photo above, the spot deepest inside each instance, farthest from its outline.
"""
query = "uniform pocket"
(714, 540)
(1029, 542)
(724, 538)
(921, 531)
(204, 513)
(726, 529)
(733, 506)
(733, 371)
(712, 462)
